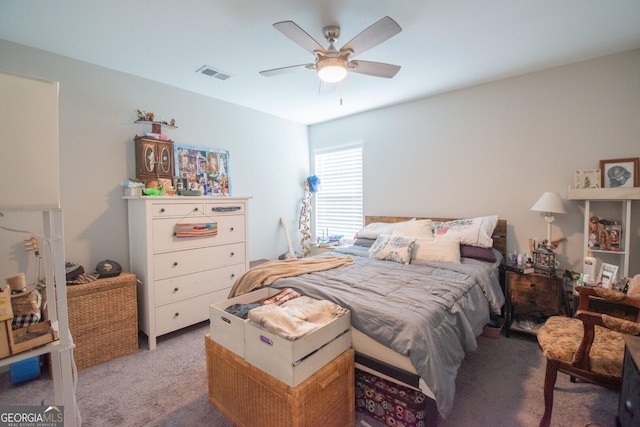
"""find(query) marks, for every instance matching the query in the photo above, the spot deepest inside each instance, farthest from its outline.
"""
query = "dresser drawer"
(190, 285)
(183, 313)
(231, 228)
(542, 292)
(189, 261)
(161, 210)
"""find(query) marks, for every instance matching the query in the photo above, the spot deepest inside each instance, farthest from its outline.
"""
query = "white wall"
(269, 156)
(495, 148)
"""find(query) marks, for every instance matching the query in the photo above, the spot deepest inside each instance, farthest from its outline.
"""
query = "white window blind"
(339, 199)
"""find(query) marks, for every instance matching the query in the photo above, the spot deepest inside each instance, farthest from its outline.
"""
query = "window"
(339, 199)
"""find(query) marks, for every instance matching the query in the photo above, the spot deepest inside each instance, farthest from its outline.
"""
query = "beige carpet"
(499, 385)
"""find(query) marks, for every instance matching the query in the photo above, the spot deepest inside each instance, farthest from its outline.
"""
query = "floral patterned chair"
(588, 346)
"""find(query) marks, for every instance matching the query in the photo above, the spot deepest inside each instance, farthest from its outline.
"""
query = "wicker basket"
(250, 397)
(21, 303)
(103, 319)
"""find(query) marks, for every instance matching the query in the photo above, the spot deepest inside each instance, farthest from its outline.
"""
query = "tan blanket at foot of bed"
(268, 272)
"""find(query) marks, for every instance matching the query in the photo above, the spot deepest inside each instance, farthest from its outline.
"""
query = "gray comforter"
(431, 313)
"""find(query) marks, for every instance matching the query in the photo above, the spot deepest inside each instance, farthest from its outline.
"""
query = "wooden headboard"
(499, 234)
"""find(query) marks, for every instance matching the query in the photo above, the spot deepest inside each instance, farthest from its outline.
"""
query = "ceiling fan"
(332, 64)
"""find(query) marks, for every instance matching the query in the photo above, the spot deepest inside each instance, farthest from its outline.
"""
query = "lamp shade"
(332, 69)
(549, 202)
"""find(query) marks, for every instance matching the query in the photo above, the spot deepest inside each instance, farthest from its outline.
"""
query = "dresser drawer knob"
(231, 229)
(195, 209)
(175, 290)
(232, 254)
(176, 315)
(175, 263)
(233, 275)
(161, 210)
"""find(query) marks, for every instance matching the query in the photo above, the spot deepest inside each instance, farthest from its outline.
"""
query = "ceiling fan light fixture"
(332, 70)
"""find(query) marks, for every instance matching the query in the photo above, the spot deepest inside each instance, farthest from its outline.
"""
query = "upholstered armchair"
(588, 346)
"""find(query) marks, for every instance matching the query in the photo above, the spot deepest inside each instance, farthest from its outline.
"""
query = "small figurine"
(149, 117)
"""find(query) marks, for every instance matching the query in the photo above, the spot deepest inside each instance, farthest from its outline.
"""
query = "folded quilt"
(268, 272)
(297, 317)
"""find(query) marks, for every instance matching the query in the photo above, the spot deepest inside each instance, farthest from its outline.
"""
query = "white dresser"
(179, 277)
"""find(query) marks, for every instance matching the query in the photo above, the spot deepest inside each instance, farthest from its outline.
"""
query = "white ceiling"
(443, 45)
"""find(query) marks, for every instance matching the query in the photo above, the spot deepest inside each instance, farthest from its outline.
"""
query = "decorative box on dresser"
(179, 277)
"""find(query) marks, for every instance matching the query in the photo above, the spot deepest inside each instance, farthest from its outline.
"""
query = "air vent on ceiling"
(212, 72)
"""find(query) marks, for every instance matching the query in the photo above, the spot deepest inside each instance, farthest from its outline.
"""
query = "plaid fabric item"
(83, 279)
(24, 320)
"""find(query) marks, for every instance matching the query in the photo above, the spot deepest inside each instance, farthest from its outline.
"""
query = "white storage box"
(227, 329)
(290, 361)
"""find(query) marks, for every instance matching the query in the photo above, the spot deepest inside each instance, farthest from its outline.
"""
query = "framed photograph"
(203, 168)
(607, 278)
(620, 173)
(588, 178)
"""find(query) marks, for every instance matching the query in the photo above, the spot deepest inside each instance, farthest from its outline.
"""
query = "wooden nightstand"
(531, 299)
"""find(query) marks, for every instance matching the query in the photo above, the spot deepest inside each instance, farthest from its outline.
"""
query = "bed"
(392, 304)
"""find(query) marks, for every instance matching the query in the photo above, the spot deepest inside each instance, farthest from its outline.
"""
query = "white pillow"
(442, 249)
(414, 228)
(410, 228)
(471, 231)
(375, 229)
(392, 248)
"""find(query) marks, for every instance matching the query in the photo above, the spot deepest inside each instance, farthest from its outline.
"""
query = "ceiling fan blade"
(372, 36)
(284, 70)
(376, 69)
(299, 36)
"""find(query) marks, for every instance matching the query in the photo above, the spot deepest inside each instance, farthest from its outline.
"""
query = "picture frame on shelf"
(608, 275)
(617, 173)
(588, 178)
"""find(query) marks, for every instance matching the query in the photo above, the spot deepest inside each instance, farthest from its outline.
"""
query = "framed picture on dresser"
(205, 168)
(608, 275)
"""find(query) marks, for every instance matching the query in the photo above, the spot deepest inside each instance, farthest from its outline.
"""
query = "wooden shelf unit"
(57, 313)
(624, 196)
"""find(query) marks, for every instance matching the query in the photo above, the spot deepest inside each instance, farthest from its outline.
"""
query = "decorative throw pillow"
(483, 254)
(470, 231)
(443, 250)
(392, 248)
(367, 243)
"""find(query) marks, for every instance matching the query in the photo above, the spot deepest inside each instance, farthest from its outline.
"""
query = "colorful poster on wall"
(205, 169)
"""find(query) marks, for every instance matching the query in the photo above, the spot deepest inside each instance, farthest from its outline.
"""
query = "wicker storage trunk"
(103, 319)
(250, 397)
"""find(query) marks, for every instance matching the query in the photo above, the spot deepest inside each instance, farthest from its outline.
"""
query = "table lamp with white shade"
(549, 203)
